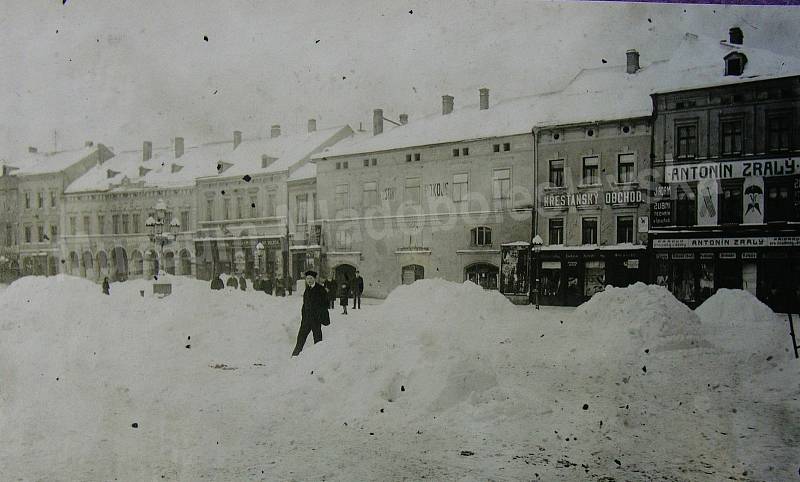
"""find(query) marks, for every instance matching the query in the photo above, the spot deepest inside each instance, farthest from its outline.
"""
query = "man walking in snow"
(358, 288)
(314, 312)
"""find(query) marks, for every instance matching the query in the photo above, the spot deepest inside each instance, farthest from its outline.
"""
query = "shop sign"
(272, 243)
(571, 199)
(624, 197)
(662, 256)
(644, 224)
(436, 189)
(732, 170)
(707, 203)
(753, 200)
(749, 255)
(632, 264)
(727, 255)
(706, 255)
(683, 256)
(661, 206)
(762, 242)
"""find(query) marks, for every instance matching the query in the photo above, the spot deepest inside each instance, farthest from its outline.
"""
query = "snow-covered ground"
(440, 381)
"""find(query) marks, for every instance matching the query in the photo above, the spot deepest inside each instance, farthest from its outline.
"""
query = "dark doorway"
(483, 274)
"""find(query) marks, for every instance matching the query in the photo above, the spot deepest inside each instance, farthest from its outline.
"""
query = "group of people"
(267, 285)
(318, 298)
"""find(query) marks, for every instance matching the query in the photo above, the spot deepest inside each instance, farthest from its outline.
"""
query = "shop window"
(342, 197)
(731, 137)
(594, 279)
(556, 231)
(625, 229)
(686, 206)
(481, 236)
(460, 187)
(370, 194)
(501, 187)
(779, 132)
(683, 280)
(589, 230)
(557, 173)
(779, 200)
(412, 190)
(686, 141)
(626, 168)
(730, 203)
(591, 168)
(550, 279)
(483, 274)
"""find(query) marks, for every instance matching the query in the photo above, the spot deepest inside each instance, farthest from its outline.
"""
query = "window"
(301, 200)
(557, 173)
(589, 230)
(338, 165)
(52, 199)
(209, 209)
(185, 222)
(686, 141)
(556, 231)
(27, 201)
(591, 168)
(408, 157)
(253, 206)
(136, 222)
(374, 161)
(239, 207)
(87, 225)
(685, 206)
(734, 63)
(270, 205)
(9, 235)
(370, 194)
(465, 151)
(481, 236)
(507, 146)
(412, 190)
(460, 188)
(778, 200)
(73, 226)
(345, 164)
(313, 205)
(39, 200)
(27, 234)
(366, 162)
(343, 240)
(226, 208)
(731, 137)
(40, 232)
(53, 233)
(417, 156)
(730, 203)
(625, 229)
(456, 152)
(779, 133)
(126, 223)
(115, 223)
(342, 197)
(496, 147)
(501, 187)
(626, 168)
(101, 228)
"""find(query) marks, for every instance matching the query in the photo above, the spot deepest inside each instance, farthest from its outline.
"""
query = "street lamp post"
(537, 243)
(155, 230)
(259, 252)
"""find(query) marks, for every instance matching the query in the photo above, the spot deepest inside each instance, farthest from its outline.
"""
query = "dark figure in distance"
(105, 286)
(330, 287)
(358, 288)
(216, 283)
(314, 313)
(242, 283)
(233, 282)
(267, 286)
(344, 293)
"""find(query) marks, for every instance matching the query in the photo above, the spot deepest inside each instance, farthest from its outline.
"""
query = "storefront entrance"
(483, 274)
(411, 273)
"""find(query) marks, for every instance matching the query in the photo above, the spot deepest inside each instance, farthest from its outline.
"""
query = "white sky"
(122, 72)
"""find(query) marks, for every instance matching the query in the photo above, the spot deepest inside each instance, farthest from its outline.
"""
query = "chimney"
(178, 147)
(403, 119)
(484, 98)
(147, 151)
(447, 104)
(237, 138)
(275, 131)
(735, 35)
(312, 125)
(633, 61)
(377, 121)
(88, 144)
(32, 150)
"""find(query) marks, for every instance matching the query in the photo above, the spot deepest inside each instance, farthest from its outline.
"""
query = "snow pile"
(645, 315)
(737, 321)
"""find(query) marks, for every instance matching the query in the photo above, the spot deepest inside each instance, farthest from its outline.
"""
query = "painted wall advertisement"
(707, 202)
(753, 200)
(514, 270)
(714, 171)
(661, 206)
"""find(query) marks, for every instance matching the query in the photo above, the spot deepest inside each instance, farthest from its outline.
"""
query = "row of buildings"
(682, 171)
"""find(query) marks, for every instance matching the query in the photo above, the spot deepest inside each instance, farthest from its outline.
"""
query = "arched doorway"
(484, 275)
(52, 266)
(119, 261)
(344, 273)
(169, 262)
(411, 273)
(74, 264)
(137, 264)
(151, 263)
(88, 265)
(102, 264)
(186, 262)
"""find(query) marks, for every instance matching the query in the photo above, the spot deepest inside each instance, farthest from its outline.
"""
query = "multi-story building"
(726, 161)
(108, 208)
(436, 197)
(9, 236)
(40, 182)
(243, 205)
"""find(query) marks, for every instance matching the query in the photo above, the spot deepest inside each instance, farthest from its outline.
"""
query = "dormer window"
(110, 173)
(176, 168)
(267, 160)
(734, 63)
(143, 171)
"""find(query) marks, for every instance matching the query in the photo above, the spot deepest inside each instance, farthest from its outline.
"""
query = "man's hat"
(311, 273)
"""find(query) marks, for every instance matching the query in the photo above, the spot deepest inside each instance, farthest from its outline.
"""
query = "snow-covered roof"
(307, 171)
(124, 167)
(49, 162)
(196, 161)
